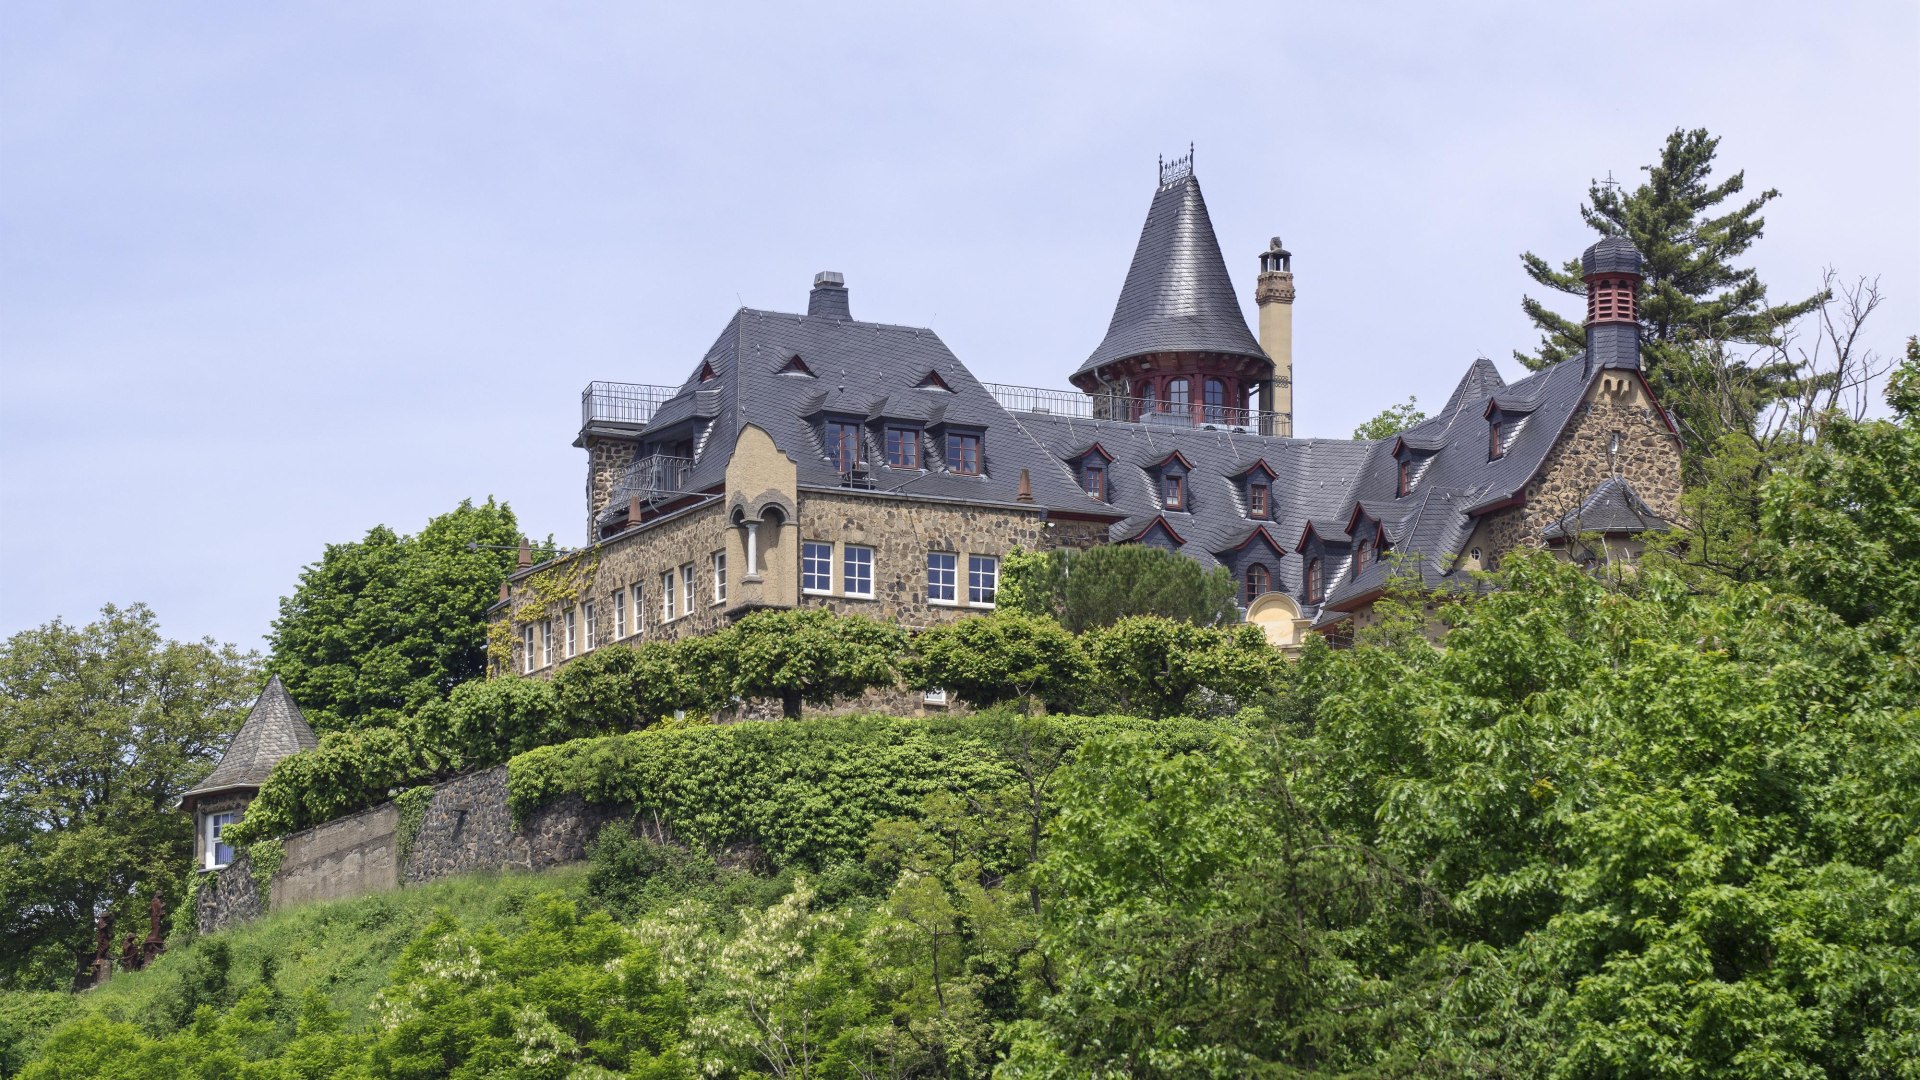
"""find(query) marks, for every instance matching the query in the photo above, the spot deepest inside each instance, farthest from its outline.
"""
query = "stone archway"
(1278, 616)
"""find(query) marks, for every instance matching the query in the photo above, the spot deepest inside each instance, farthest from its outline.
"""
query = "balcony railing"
(654, 478)
(1031, 399)
(622, 403)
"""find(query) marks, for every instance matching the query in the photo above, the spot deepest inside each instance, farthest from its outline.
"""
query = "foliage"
(410, 808)
(625, 687)
(1005, 656)
(1157, 667)
(1088, 589)
(346, 772)
(263, 861)
(1391, 421)
(102, 727)
(1692, 291)
(809, 656)
(383, 625)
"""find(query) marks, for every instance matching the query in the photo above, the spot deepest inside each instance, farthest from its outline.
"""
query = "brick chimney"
(829, 296)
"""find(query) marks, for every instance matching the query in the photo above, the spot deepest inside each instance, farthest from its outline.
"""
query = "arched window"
(1216, 401)
(1177, 395)
(1360, 556)
(1258, 581)
(1315, 590)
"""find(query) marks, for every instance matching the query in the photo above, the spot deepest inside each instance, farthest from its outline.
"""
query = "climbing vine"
(557, 586)
(263, 860)
(412, 805)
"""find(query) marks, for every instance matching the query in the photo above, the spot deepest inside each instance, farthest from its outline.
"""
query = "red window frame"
(1259, 580)
(1173, 491)
(903, 448)
(843, 444)
(963, 454)
(1258, 495)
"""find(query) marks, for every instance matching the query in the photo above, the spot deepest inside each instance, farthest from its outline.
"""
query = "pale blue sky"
(272, 274)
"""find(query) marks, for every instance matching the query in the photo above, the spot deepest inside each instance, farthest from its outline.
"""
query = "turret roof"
(274, 729)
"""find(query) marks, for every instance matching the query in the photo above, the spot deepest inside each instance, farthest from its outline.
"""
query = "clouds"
(272, 276)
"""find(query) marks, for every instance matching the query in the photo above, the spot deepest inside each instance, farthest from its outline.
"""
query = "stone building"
(819, 460)
(274, 729)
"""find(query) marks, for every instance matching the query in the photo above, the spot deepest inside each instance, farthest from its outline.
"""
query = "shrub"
(623, 687)
(1089, 589)
(1159, 667)
(809, 656)
(628, 873)
(1004, 656)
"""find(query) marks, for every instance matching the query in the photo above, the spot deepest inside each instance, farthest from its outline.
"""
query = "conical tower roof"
(1178, 296)
(274, 729)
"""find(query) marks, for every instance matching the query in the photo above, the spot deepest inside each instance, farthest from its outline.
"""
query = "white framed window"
(983, 579)
(588, 628)
(856, 570)
(719, 577)
(526, 649)
(546, 642)
(686, 588)
(940, 576)
(572, 632)
(934, 696)
(639, 606)
(666, 597)
(816, 567)
(219, 854)
(619, 614)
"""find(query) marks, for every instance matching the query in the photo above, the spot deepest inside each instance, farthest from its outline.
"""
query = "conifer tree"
(1693, 297)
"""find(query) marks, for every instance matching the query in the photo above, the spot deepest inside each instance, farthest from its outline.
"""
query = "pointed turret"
(1178, 350)
(274, 729)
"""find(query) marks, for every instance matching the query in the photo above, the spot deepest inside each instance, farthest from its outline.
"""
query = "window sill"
(858, 596)
(816, 592)
(977, 604)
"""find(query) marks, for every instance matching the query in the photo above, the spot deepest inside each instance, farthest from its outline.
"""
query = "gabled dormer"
(1092, 468)
(1411, 457)
(1172, 483)
(1255, 561)
(796, 366)
(1161, 534)
(1322, 554)
(1255, 486)
(1369, 538)
(1504, 420)
(932, 380)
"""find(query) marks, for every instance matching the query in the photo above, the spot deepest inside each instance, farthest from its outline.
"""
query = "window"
(666, 597)
(546, 642)
(1173, 491)
(619, 614)
(1177, 395)
(1257, 498)
(1093, 477)
(686, 589)
(963, 454)
(219, 854)
(843, 444)
(639, 606)
(573, 619)
(816, 567)
(1406, 478)
(1493, 437)
(1146, 399)
(903, 448)
(940, 576)
(592, 632)
(856, 571)
(983, 579)
(526, 649)
(1613, 444)
(719, 577)
(1216, 401)
(1315, 589)
(1258, 581)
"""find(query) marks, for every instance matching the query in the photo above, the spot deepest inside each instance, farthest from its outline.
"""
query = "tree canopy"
(382, 625)
(102, 727)
(1391, 420)
(1093, 588)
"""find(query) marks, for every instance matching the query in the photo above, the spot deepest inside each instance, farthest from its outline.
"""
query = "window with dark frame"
(1406, 478)
(843, 444)
(1093, 477)
(1257, 499)
(1177, 395)
(1494, 449)
(903, 448)
(963, 454)
(1173, 491)
(1258, 581)
(1315, 590)
(1215, 401)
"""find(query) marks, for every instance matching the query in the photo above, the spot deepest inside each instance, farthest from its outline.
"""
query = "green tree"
(1693, 296)
(809, 656)
(1000, 657)
(381, 626)
(1157, 667)
(101, 728)
(1392, 420)
(1085, 589)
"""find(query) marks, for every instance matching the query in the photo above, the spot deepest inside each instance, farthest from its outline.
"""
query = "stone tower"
(1178, 352)
(1273, 291)
(274, 729)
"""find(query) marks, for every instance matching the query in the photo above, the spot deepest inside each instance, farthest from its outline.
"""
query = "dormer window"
(796, 366)
(963, 454)
(1259, 581)
(1093, 477)
(842, 441)
(706, 371)
(1494, 449)
(1406, 478)
(932, 381)
(903, 448)
(1173, 490)
(1316, 589)
(1259, 498)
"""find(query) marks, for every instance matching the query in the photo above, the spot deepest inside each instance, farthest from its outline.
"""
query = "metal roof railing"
(1192, 414)
(622, 403)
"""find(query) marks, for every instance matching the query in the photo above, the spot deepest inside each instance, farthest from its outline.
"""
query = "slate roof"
(274, 729)
(1178, 295)
(862, 371)
(1612, 507)
(1610, 255)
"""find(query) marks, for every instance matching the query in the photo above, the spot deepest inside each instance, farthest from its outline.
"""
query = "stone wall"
(467, 826)
(607, 461)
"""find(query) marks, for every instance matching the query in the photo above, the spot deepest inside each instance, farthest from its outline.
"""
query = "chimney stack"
(829, 296)
(526, 553)
(1273, 291)
(1611, 269)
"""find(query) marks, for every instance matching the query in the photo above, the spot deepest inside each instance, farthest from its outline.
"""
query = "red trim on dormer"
(1259, 533)
(1305, 532)
(1175, 456)
(1260, 464)
(706, 371)
(932, 381)
(1359, 509)
(1093, 448)
(1162, 522)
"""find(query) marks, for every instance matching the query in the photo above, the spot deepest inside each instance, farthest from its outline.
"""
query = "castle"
(819, 460)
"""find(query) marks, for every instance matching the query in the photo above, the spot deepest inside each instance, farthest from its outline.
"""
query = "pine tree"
(1693, 298)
